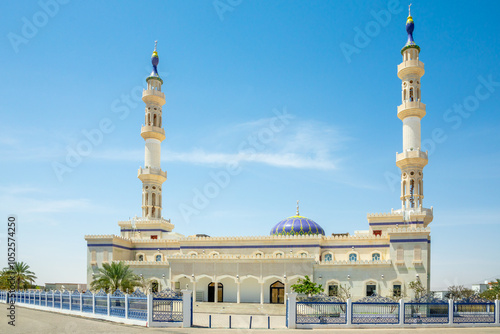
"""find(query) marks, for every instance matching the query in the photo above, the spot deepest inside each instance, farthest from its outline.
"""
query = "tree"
(418, 288)
(492, 293)
(306, 286)
(17, 275)
(115, 276)
(457, 292)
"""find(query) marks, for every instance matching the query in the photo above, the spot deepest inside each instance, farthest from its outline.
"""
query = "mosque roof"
(297, 225)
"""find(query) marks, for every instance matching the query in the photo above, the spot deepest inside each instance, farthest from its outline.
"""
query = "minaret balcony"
(148, 174)
(411, 108)
(410, 67)
(410, 158)
(153, 96)
(152, 132)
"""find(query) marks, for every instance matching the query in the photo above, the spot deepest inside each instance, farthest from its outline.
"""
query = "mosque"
(394, 251)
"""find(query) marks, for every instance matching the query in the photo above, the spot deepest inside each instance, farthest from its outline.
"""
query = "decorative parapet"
(282, 237)
(409, 229)
(385, 214)
(240, 257)
(354, 263)
(105, 236)
(144, 263)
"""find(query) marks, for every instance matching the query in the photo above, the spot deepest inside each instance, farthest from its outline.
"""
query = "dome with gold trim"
(297, 225)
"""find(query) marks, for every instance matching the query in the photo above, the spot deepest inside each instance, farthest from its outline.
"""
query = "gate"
(375, 309)
(473, 310)
(321, 309)
(426, 310)
(167, 307)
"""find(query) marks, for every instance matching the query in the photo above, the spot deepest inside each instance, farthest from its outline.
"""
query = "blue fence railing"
(321, 313)
(137, 308)
(464, 312)
(426, 313)
(375, 313)
(167, 309)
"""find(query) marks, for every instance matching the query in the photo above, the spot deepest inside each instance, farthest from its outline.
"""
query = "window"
(303, 254)
(353, 257)
(328, 257)
(333, 290)
(396, 290)
(154, 237)
(140, 258)
(377, 232)
(371, 289)
(417, 253)
(279, 254)
(400, 255)
(158, 258)
(376, 257)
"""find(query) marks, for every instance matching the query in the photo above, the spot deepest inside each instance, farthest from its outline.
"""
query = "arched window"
(328, 257)
(404, 95)
(158, 258)
(411, 94)
(154, 120)
(353, 257)
(154, 199)
(279, 255)
(375, 257)
(149, 119)
(303, 254)
(140, 258)
(418, 94)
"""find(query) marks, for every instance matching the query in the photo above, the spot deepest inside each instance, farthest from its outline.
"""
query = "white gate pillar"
(292, 310)
(187, 300)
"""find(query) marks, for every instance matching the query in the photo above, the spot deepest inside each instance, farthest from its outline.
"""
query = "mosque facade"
(393, 251)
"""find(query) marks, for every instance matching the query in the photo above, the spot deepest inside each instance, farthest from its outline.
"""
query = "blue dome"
(297, 225)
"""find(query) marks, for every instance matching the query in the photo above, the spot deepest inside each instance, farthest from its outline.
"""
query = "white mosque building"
(394, 251)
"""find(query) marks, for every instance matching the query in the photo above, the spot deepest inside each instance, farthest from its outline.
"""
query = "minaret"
(151, 175)
(412, 160)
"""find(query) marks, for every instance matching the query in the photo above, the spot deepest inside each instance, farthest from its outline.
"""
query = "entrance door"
(211, 292)
(277, 293)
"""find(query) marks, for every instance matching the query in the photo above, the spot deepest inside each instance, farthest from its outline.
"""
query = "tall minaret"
(412, 160)
(151, 175)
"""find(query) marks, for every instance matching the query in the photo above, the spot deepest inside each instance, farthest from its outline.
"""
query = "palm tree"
(19, 272)
(115, 276)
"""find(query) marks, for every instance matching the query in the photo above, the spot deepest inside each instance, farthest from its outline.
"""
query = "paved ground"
(33, 321)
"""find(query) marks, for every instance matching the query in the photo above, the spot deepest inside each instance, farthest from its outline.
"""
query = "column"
(194, 291)
(401, 312)
(349, 311)
(186, 308)
(262, 293)
(126, 306)
(109, 303)
(216, 291)
(292, 310)
(450, 311)
(238, 292)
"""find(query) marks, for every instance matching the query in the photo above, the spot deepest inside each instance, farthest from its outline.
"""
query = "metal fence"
(375, 313)
(426, 313)
(75, 301)
(65, 300)
(137, 306)
(117, 304)
(167, 309)
(473, 312)
(321, 312)
(87, 302)
(101, 303)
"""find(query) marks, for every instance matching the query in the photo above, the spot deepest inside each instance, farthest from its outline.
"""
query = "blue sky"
(228, 68)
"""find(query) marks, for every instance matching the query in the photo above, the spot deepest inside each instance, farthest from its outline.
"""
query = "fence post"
(401, 312)
(53, 299)
(292, 310)
(150, 309)
(497, 311)
(186, 308)
(93, 303)
(46, 299)
(126, 306)
(61, 299)
(349, 311)
(450, 311)
(108, 299)
(81, 301)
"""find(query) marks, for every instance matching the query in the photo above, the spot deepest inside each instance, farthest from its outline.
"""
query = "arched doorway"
(211, 292)
(154, 286)
(277, 293)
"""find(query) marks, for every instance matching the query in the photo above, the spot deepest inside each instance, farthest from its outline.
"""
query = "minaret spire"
(298, 208)
(412, 160)
(151, 175)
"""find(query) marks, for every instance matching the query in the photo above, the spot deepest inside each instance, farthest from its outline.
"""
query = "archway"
(277, 293)
(211, 292)
(154, 286)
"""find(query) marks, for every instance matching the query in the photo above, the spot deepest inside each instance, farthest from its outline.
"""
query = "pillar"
(187, 308)
(238, 292)
(262, 293)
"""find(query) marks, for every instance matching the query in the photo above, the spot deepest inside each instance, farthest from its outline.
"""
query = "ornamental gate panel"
(138, 306)
(375, 309)
(65, 300)
(426, 310)
(75, 301)
(321, 309)
(473, 310)
(117, 304)
(87, 302)
(101, 303)
(57, 299)
(50, 299)
(167, 306)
